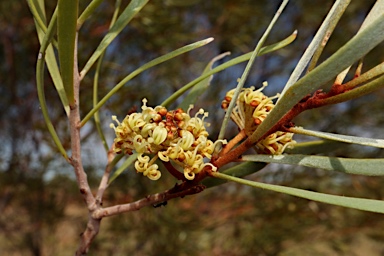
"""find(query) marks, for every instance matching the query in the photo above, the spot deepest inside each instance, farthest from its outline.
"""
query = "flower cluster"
(251, 108)
(166, 135)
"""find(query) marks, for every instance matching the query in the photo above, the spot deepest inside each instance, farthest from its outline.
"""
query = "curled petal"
(152, 172)
(143, 159)
(154, 176)
(140, 167)
(162, 155)
(189, 175)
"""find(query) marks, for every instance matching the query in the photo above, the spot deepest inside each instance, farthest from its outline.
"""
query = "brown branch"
(92, 229)
(149, 200)
(75, 160)
(104, 180)
(233, 155)
(81, 177)
(239, 137)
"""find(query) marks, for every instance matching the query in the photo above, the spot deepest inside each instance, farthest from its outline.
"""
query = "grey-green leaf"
(361, 166)
(126, 16)
(378, 143)
(350, 202)
(352, 51)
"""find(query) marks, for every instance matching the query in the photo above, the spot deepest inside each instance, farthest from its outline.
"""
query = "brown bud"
(227, 98)
(178, 116)
(257, 121)
(162, 111)
(224, 104)
(254, 103)
(170, 135)
(181, 157)
(157, 118)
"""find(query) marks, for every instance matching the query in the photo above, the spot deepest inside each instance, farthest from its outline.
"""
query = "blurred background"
(41, 212)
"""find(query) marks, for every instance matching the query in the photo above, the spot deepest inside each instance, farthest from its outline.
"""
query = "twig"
(149, 200)
(175, 173)
(104, 180)
(239, 137)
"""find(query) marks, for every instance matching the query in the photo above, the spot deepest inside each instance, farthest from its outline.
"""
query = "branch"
(75, 160)
(149, 200)
(104, 180)
(81, 177)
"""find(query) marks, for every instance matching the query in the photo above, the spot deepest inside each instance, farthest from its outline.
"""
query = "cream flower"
(157, 133)
(251, 109)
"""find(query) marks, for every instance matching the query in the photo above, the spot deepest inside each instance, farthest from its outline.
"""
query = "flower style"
(251, 108)
(166, 135)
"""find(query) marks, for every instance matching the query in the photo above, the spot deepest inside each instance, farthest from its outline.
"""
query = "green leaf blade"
(352, 51)
(126, 16)
(350, 202)
(240, 170)
(359, 166)
(141, 69)
(66, 31)
(378, 143)
(230, 63)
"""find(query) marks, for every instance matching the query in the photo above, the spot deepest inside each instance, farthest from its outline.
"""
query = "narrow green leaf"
(126, 16)
(66, 32)
(88, 12)
(367, 88)
(50, 59)
(247, 70)
(40, 90)
(374, 13)
(38, 15)
(366, 77)
(123, 167)
(239, 170)
(146, 66)
(235, 61)
(332, 15)
(202, 86)
(43, 105)
(314, 147)
(96, 84)
(350, 202)
(378, 143)
(329, 26)
(352, 51)
(360, 166)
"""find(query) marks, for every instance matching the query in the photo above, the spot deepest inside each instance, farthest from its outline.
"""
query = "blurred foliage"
(38, 198)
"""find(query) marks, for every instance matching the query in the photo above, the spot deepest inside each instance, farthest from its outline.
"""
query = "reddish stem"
(175, 173)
